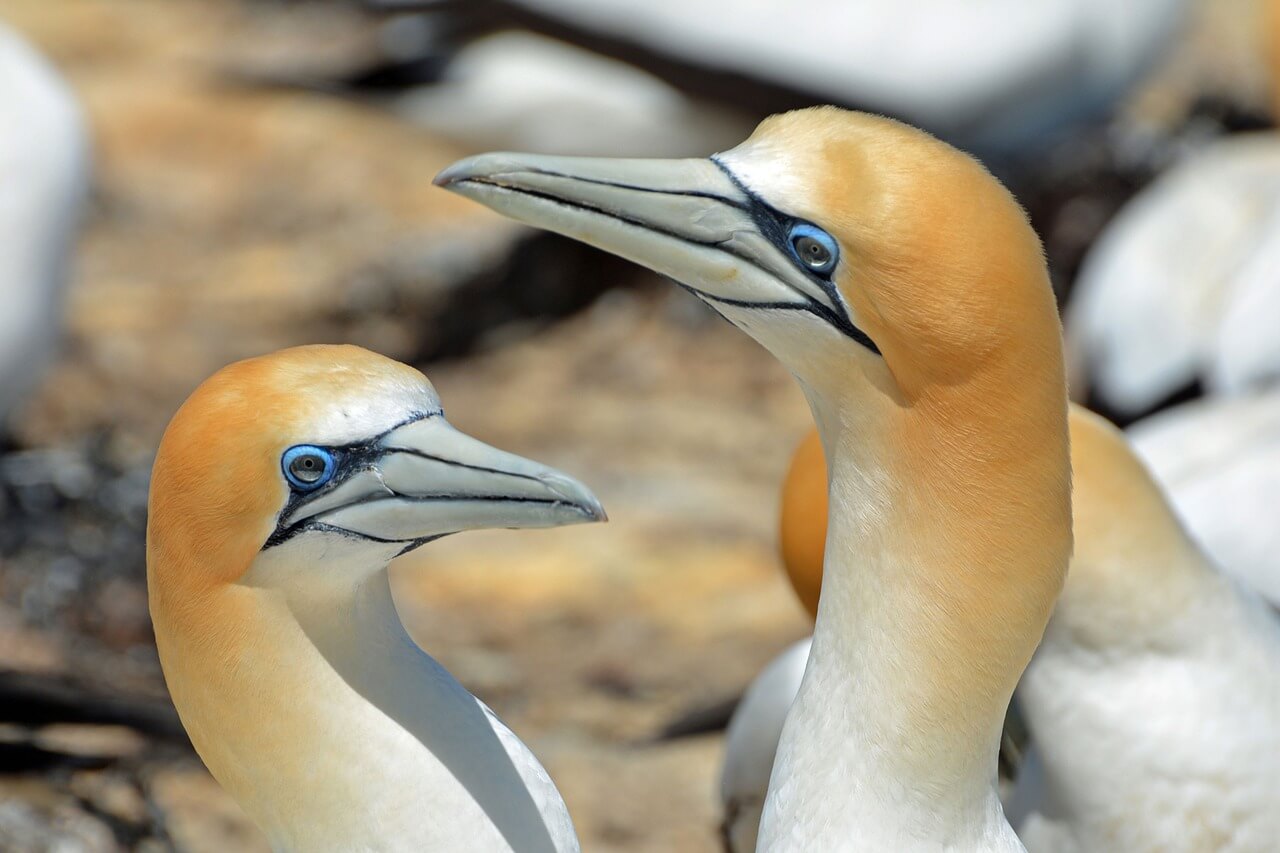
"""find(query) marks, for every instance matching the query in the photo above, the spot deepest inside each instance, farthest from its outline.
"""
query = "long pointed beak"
(425, 480)
(691, 220)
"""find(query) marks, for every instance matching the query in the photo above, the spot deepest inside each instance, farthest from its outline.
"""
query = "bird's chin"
(317, 559)
(788, 332)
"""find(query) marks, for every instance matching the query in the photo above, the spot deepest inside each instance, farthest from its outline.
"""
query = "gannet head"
(860, 251)
(321, 459)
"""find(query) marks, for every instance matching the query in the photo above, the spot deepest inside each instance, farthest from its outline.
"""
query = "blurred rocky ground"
(228, 220)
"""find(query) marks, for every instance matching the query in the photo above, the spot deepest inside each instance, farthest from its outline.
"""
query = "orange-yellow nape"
(802, 533)
(1269, 34)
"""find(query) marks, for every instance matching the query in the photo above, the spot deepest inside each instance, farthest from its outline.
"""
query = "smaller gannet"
(1154, 700)
(282, 489)
(905, 289)
(1180, 289)
(44, 182)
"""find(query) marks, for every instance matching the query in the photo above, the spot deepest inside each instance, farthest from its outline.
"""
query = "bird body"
(280, 643)
(44, 169)
(1154, 700)
(1041, 68)
(1154, 313)
(527, 91)
(905, 289)
(1219, 461)
(751, 742)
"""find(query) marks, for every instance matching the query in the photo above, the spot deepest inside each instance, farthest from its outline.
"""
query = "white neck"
(353, 736)
(866, 761)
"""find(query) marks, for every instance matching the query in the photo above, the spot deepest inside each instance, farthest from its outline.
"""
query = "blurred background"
(184, 183)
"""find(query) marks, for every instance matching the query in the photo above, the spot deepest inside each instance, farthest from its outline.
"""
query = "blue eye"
(814, 248)
(307, 467)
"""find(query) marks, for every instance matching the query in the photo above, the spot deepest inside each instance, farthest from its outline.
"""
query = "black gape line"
(775, 226)
(350, 459)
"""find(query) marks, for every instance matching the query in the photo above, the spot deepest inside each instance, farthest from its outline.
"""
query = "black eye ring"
(308, 467)
(815, 249)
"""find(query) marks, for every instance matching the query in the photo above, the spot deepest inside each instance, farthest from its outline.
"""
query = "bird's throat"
(309, 700)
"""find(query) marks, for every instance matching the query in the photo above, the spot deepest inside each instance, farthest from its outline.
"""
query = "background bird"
(44, 169)
(1095, 692)
(554, 75)
(1176, 294)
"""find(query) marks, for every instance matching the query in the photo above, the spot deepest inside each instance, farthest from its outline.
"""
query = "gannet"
(1209, 460)
(999, 76)
(1154, 700)
(44, 176)
(1180, 289)
(282, 489)
(905, 289)
(520, 89)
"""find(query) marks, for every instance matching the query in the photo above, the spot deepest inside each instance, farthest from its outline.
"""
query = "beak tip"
(576, 495)
(449, 176)
(469, 168)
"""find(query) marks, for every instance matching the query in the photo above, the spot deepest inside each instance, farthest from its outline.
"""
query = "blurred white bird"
(1182, 288)
(44, 180)
(1219, 461)
(751, 742)
(525, 91)
(995, 76)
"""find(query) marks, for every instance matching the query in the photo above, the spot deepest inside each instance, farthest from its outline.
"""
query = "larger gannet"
(282, 489)
(44, 181)
(1216, 461)
(904, 288)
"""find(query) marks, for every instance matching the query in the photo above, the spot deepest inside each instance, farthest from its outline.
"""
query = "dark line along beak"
(687, 219)
(425, 479)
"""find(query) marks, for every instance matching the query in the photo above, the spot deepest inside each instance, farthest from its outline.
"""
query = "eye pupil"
(308, 467)
(813, 247)
(814, 253)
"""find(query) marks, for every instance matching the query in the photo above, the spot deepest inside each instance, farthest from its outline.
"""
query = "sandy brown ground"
(227, 222)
